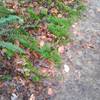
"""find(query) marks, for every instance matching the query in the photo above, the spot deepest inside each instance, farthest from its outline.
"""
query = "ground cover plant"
(40, 30)
(31, 33)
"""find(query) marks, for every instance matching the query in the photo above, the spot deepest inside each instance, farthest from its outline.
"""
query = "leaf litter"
(26, 83)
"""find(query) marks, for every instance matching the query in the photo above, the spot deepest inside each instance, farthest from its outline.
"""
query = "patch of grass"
(33, 14)
(57, 26)
(61, 26)
(50, 53)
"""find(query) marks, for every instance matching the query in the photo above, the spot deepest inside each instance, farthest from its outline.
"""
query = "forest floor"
(82, 82)
(79, 76)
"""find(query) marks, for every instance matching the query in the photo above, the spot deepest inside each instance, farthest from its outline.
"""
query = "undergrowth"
(57, 26)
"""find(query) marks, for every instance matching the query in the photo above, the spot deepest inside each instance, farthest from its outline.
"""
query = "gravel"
(82, 82)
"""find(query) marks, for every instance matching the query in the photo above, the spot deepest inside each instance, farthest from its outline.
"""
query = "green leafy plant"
(7, 18)
(5, 77)
(4, 11)
(50, 53)
(11, 47)
(10, 19)
(33, 14)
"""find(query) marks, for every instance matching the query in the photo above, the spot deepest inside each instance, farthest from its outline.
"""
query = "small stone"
(66, 68)
(14, 96)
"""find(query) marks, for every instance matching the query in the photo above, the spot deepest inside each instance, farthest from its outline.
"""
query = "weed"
(5, 77)
(50, 53)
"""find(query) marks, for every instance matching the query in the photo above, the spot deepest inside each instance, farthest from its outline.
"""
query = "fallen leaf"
(50, 91)
(61, 49)
(66, 68)
(98, 9)
(42, 43)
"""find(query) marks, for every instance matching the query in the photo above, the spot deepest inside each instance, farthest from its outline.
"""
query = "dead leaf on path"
(44, 70)
(61, 49)
(50, 91)
(98, 10)
(66, 68)
(88, 45)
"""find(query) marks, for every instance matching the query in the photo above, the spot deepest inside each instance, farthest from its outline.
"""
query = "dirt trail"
(82, 82)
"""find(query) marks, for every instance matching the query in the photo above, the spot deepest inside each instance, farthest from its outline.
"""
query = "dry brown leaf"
(42, 43)
(59, 15)
(61, 49)
(98, 9)
(50, 91)
(54, 11)
(36, 55)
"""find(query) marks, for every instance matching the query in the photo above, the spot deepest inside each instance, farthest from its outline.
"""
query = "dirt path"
(82, 82)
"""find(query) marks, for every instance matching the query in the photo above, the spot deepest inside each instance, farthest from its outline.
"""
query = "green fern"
(33, 14)
(59, 31)
(57, 21)
(11, 47)
(10, 19)
(24, 38)
(50, 53)
(4, 11)
(62, 7)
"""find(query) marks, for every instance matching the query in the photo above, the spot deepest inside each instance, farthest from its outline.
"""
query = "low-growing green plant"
(25, 39)
(50, 53)
(33, 14)
(11, 47)
(57, 26)
(29, 68)
(4, 11)
(60, 26)
(5, 77)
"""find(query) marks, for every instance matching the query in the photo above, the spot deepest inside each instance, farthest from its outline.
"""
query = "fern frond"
(10, 19)
(50, 53)
(4, 11)
(57, 21)
(33, 14)
(11, 47)
(62, 6)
